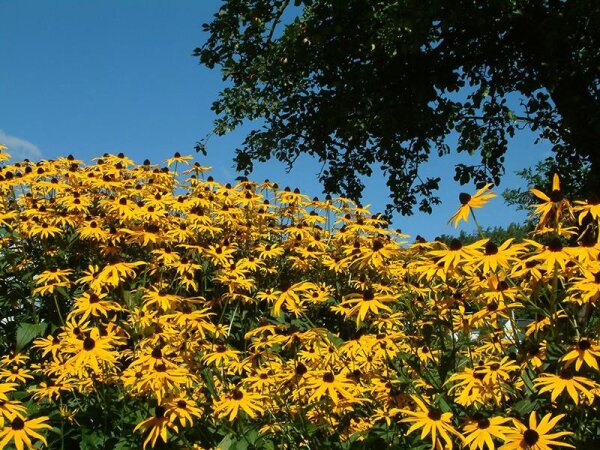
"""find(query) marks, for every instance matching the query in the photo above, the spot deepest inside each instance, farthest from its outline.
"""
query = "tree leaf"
(27, 332)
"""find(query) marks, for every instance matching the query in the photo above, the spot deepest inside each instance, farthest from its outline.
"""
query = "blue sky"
(87, 77)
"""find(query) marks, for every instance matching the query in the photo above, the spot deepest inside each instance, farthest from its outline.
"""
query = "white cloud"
(20, 149)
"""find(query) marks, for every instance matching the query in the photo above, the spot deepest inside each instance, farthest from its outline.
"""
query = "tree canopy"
(366, 84)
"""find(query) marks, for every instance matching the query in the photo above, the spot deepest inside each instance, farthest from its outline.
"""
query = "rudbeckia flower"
(536, 436)
(432, 421)
(158, 426)
(576, 386)
(21, 430)
(480, 433)
(553, 203)
(239, 399)
(585, 351)
(468, 203)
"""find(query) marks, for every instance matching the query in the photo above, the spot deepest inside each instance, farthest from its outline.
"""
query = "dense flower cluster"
(203, 314)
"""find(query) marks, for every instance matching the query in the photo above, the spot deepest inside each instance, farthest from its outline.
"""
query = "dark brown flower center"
(301, 369)
(434, 414)
(556, 196)
(17, 424)
(328, 377)
(181, 404)
(530, 437)
(533, 349)
(482, 424)
(455, 245)
(584, 345)
(491, 248)
(369, 295)
(89, 344)
(566, 375)
(237, 395)
(492, 306)
(555, 245)
(464, 198)
(159, 412)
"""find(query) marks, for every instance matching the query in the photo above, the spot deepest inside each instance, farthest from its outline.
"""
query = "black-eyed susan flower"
(585, 289)
(20, 431)
(238, 399)
(95, 305)
(91, 352)
(431, 421)
(481, 432)
(182, 409)
(553, 205)
(576, 386)
(369, 302)
(584, 352)
(9, 409)
(335, 387)
(453, 255)
(496, 256)
(536, 436)
(584, 208)
(5, 388)
(15, 374)
(157, 426)
(178, 158)
(468, 203)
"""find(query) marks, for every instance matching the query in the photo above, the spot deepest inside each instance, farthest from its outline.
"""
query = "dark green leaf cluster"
(365, 84)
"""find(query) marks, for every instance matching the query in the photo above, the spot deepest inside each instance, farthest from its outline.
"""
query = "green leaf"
(525, 406)
(27, 332)
(226, 443)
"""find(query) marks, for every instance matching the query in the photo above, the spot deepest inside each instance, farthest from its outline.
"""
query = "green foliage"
(495, 234)
(27, 332)
(362, 84)
(572, 183)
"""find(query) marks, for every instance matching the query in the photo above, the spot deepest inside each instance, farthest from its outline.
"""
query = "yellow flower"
(4, 388)
(480, 433)
(360, 305)
(90, 303)
(158, 426)
(337, 387)
(456, 253)
(575, 386)
(177, 158)
(468, 202)
(432, 421)
(495, 256)
(591, 208)
(239, 399)
(585, 351)
(93, 352)
(535, 436)
(10, 409)
(553, 203)
(4, 156)
(183, 409)
(21, 430)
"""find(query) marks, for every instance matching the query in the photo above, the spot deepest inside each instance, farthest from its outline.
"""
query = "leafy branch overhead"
(368, 84)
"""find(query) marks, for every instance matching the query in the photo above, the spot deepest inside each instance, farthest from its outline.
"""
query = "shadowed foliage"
(368, 84)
